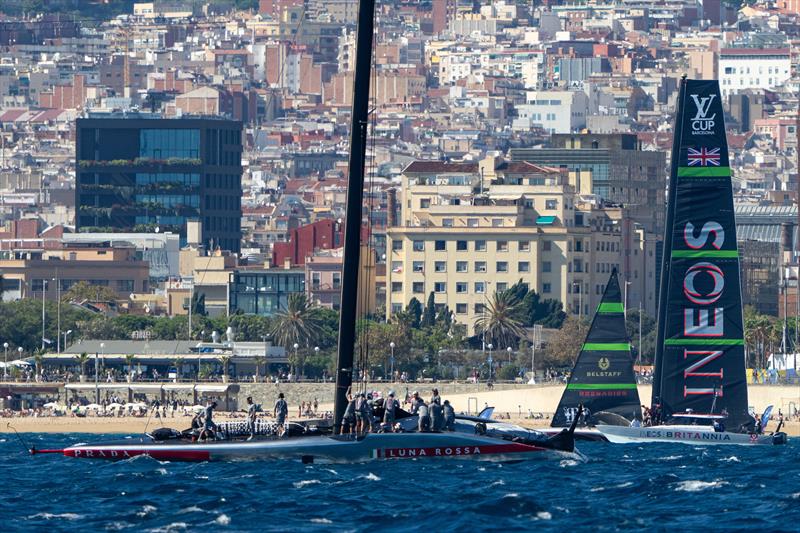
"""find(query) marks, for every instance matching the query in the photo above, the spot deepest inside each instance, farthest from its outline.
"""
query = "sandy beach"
(517, 404)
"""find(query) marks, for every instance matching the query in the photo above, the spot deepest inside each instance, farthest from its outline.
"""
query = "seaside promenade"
(530, 405)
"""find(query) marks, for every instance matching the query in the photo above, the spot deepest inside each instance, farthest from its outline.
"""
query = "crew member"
(437, 417)
(424, 423)
(449, 416)
(390, 407)
(349, 416)
(251, 417)
(280, 412)
(362, 414)
(209, 427)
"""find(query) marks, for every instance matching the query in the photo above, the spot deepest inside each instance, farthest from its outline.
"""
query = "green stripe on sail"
(699, 254)
(610, 307)
(607, 346)
(703, 342)
(704, 172)
(600, 386)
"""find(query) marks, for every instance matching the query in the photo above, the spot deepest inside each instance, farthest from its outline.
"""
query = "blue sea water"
(657, 487)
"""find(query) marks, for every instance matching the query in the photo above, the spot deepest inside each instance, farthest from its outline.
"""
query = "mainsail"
(700, 347)
(603, 379)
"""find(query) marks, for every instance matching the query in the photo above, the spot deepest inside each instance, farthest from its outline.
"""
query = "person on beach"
(280, 412)
(251, 417)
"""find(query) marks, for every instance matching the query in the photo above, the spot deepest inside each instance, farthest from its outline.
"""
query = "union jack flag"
(703, 157)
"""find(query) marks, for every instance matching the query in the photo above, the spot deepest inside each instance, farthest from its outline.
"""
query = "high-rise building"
(468, 230)
(621, 172)
(141, 173)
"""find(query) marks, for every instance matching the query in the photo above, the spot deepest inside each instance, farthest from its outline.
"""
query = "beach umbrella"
(115, 405)
(51, 405)
(198, 408)
(94, 406)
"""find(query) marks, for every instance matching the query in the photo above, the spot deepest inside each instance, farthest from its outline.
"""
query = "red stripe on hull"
(161, 455)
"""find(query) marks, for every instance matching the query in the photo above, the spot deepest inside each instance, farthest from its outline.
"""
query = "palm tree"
(177, 363)
(82, 359)
(224, 360)
(502, 323)
(38, 360)
(259, 360)
(299, 324)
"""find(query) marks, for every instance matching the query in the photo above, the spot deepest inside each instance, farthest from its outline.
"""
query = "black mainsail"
(700, 348)
(353, 209)
(603, 378)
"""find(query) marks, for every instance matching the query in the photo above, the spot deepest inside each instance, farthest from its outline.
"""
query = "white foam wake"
(694, 485)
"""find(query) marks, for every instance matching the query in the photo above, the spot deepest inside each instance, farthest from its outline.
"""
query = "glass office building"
(139, 173)
(264, 292)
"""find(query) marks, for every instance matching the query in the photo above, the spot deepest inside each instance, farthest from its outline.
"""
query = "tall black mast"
(355, 197)
(663, 293)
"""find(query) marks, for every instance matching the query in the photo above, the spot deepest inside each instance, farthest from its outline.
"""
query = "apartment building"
(467, 230)
(753, 68)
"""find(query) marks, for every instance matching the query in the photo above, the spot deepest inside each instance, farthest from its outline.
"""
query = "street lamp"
(509, 350)
(391, 359)
(96, 374)
(295, 346)
(65, 337)
(5, 361)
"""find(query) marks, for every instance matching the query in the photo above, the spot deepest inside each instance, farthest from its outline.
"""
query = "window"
(397, 286)
(461, 287)
(480, 287)
(461, 309)
(479, 308)
(397, 266)
(480, 266)
(37, 285)
(418, 287)
(440, 246)
(419, 246)
(447, 222)
(497, 222)
(425, 203)
(578, 265)
(501, 287)
(472, 222)
(524, 246)
(440, 286)
(461, 266)
(502, 246)
(546, 289)
(523, 266)
(125, 285)
(547, 266)
(396, 308)
(337, 280)
(315, 280)
(502, 266)
(547, 246)
(551, 204)
(480, 246)
(418, 266)
(461, 246)
(440, 266)
(578, 246)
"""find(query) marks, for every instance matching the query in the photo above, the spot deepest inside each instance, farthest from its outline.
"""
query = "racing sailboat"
(472, 439)
(602, 380)
(699, 387)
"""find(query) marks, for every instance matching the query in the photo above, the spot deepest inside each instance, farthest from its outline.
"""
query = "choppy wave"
(143, 495)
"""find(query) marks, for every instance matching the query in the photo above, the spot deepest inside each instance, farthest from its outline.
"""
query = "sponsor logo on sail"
(702, 123)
